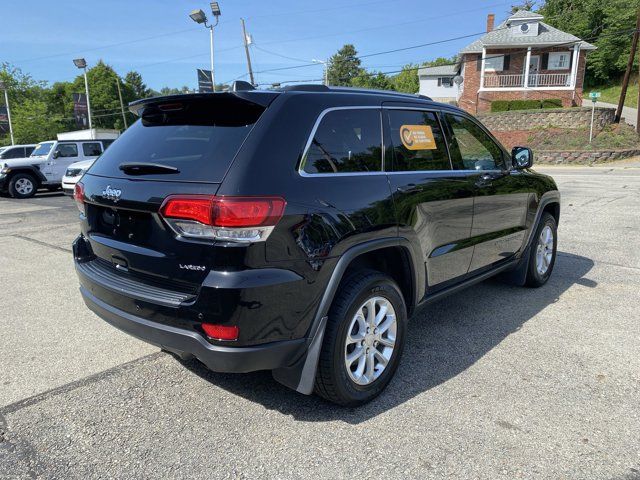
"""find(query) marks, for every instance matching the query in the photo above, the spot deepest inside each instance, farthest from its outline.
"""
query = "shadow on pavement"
(444, 339)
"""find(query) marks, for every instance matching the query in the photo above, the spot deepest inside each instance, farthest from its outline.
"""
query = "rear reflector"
(220, 332)
(247, 219)
(78, 195)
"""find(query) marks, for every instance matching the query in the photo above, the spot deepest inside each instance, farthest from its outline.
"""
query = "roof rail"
(241, 85)
(307, 87)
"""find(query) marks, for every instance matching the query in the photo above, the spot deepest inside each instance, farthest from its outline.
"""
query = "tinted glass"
(471, 148)
(42, 148)
(91, 149)
(16, 152)
(199, 138)
(28, 151)
(346, 141)
(418, 142)
(66, 150)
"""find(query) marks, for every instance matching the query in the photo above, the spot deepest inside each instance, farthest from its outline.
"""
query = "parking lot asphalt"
(495, 382)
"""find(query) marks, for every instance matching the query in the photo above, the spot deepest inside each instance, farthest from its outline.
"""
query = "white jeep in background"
(47, 164)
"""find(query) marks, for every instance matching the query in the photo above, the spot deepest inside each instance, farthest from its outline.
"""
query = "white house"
(437, 83)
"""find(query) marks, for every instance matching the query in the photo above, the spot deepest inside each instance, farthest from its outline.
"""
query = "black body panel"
(454, 227)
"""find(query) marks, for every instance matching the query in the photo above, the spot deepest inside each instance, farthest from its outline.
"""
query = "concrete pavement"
(496, 381)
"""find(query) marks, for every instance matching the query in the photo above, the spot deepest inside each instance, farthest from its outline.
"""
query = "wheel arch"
(374, 253)
(31, 170)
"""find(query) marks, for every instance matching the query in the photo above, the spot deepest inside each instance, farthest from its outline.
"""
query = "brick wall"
(475, 102)
(555, 117)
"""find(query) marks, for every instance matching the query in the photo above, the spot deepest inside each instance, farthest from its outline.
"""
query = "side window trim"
(303, 159)
(437, 113)
(484, 130)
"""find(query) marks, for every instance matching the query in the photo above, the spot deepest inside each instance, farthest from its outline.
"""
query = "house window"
(559, 60)
(445, 82)
(493, 62)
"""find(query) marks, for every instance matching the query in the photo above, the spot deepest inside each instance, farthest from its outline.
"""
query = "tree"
(525, 5)
(606, 24)
(374, 80)
(32, 122)
(133, 82)
(344, 66)
(407, 80)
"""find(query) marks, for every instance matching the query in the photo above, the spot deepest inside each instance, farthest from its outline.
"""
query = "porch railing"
(535, 80)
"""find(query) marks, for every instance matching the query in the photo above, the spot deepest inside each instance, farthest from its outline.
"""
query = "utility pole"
(124, 117)
(6, 102)
(246, 50)
(627, 73)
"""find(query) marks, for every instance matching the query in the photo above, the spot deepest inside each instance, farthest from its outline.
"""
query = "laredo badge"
(417, 137)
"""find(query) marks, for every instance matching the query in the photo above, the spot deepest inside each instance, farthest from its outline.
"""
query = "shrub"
(500, 105)
(552, 103)
(524, 104)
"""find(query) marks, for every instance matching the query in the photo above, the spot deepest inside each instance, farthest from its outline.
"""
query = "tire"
(542, 257)
(334, 380)
(22, 185)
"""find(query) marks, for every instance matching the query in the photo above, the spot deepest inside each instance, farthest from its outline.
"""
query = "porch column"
(574, 65)
(484, 56)
(527, 64)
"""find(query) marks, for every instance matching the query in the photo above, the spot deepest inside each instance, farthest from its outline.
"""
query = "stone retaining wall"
(555, 117)
(582, 157)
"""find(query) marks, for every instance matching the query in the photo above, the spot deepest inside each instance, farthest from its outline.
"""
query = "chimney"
(490, 21)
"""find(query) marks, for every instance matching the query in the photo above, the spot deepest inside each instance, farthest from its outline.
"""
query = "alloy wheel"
(370, 340)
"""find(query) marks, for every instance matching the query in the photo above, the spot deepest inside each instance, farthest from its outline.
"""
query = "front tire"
(363, 340)
(543, 252)
(22, 185)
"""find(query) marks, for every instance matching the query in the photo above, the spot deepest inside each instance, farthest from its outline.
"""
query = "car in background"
(73, 174)
(16, 151)
(47, 164)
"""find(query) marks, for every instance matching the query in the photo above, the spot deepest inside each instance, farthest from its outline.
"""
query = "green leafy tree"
(407, 80)
(375, 80)
(136, 87)
(606, 24)
(32, 122)
(527, 5)
(344, 66)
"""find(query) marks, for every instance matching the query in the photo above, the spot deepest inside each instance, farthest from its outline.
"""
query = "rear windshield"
(199, 140)
(42, 149)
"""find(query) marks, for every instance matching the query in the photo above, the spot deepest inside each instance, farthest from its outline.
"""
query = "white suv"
(46, 165)
(73, 174)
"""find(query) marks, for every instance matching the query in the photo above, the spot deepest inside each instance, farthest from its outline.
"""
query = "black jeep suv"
(297, 230)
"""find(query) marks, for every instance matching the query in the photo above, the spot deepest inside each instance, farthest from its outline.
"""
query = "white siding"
(429, 87)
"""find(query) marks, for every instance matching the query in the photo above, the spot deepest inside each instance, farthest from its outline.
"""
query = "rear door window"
(417, 141)
(91, 149)
(67, 150)
(346, 141)
(199, 138)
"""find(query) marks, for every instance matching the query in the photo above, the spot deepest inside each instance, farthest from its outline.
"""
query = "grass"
(611, 93)
(613, 137)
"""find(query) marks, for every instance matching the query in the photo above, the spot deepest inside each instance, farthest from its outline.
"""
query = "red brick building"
(523, 58)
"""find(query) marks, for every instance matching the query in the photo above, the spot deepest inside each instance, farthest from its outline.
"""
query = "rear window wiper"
(145, 168)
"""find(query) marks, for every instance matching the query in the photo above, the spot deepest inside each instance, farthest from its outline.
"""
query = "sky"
(158, 39)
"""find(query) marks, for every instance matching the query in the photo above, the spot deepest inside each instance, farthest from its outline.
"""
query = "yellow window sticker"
(417, 137)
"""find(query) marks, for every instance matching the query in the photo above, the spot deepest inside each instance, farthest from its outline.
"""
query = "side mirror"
(521, 157)
(56, 154)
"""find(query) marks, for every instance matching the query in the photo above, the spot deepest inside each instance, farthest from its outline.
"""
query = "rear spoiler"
(261, 98)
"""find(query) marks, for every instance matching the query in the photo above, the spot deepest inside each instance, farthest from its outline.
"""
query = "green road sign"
(594, 95)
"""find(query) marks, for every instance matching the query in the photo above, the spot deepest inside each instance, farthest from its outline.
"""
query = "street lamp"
(326, 70)
(5, 87)
(82, 63)
(199, 16)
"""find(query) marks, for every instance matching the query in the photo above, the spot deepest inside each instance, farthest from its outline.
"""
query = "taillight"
(244, 219)
(78, 195)
(221, 332)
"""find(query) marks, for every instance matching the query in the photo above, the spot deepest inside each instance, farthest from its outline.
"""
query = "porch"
(530, 69)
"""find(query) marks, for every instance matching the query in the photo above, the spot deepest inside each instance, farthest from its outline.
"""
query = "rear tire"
(361, 352)
(542, 257)
(22, 185)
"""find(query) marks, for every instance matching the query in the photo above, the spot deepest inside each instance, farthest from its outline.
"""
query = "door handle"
(486, 179)
(409, 188)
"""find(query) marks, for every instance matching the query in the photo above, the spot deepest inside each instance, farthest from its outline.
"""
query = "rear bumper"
(218, 358)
